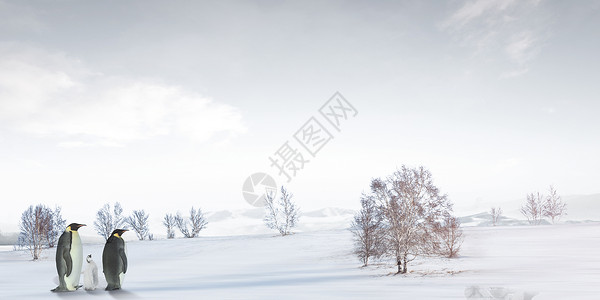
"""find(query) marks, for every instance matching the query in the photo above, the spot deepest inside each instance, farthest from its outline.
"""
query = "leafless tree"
(450, 236)
(410, 205)
(169, 222)
(58, 227)
(283, 214)
(108, 219)
(368, 231)
(35, 226)
(196, 221)
(139, 223)
(533, 208)
(496, 213)
(554, 208)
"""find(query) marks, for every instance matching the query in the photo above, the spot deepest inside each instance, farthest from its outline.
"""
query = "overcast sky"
(166, 104)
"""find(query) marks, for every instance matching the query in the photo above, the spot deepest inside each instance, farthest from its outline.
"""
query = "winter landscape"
(342, 149)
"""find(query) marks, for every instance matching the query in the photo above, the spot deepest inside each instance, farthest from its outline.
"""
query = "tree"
(496, 212)
(533, 208)
(410, 205)
(58, 227)
(35, 226)
(197, 222)
(139, 223)
(283, 214)
(169, 222)
(108, 220)
(554, 208)
(368, 231)
(450, 236)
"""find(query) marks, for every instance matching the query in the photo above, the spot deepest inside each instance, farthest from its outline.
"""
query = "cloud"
(505, 31)
(475, 9)
(51, 95)
(521, 47)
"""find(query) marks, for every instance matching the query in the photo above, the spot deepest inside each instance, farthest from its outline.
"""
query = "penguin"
(90, 275)
(69, 259)
(114, 260)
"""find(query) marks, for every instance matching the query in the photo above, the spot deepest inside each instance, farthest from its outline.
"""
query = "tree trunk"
(399, 263)
(404, 265)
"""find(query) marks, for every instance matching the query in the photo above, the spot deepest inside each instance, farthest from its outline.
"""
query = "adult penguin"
(69, 258)
(114, 260)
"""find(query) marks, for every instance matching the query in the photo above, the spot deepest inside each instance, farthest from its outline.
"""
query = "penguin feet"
(59, 289)
(112, 288)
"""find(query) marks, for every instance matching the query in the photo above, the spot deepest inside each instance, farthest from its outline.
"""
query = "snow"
(557, 262)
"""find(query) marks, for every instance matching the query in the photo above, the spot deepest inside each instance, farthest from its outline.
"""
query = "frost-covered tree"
(449, 236)
(170, 224)
(496, 213)
(410, 205)
(554, 208)
(108, 219)
(281, 215)
(36, 227)
(368, 231)
(196, 221)
(138, 221)
(533, 209)
(58, 227)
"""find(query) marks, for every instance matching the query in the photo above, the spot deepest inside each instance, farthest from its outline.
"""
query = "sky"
(164, 105)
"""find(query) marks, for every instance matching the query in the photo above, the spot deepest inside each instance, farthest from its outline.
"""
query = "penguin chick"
(69, 259)
(90, 275)
(114, 260)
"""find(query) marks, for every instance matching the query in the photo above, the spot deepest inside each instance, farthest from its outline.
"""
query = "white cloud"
(51, 95)
(475, 9)
(499, 30)
(521, 47)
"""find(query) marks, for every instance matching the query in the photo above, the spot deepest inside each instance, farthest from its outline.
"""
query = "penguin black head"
(74, 226)
(118, 232)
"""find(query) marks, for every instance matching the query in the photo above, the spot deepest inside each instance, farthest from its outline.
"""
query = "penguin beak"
(81, 225)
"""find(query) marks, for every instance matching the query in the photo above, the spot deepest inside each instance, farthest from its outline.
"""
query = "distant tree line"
(40, 226)
(108, 219)
(537, 206)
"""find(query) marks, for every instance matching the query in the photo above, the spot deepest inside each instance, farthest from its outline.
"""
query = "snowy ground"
(558, 262)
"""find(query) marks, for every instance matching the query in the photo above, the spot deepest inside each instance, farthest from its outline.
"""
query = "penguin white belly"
(76, 253)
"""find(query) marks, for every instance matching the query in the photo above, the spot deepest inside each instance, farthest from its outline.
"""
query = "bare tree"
(533, 208)
(57, 227)
(118, 217)
(197, 222)
(283, 214)
(410, 205)
(450, 236)
(139, 223)
(35, 226)
(169, 222)
(496, 213)
(554, 208)
(108, 219)
(368, 231)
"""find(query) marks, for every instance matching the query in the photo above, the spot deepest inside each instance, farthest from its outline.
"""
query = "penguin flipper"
(123, 259)
(68, 260)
